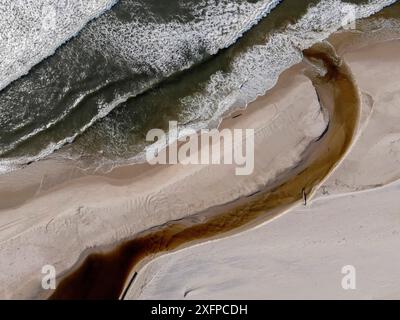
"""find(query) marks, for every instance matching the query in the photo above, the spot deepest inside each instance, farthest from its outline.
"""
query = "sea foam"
(257, 70)
(31, 30)
(143, 44)
(162, 48)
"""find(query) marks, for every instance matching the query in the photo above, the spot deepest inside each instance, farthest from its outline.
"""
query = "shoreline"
(144, 181)
(320, 162)
(59, 170)
(57, 224)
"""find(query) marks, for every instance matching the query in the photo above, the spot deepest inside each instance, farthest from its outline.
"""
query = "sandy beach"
(56, 213)
(173, 199)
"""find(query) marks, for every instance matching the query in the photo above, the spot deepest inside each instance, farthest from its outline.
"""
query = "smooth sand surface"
(298, 256)
(375, 159)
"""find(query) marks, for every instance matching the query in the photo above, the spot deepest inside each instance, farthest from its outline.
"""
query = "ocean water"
(88, 82)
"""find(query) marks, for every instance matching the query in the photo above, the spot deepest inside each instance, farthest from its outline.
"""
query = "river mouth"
(105, 274)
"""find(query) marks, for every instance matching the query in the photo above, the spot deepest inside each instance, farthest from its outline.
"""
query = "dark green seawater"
(146, 62)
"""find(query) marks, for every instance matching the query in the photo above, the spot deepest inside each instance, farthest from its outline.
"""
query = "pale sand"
(301, 254)
(298, 256)
(59, 223)
(375, 159)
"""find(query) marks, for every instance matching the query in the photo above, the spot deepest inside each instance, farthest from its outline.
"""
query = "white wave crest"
(252, 72)
(31, 30)
(163, 47)
(257, 70)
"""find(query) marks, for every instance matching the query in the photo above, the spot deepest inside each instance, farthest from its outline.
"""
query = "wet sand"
(103, 275)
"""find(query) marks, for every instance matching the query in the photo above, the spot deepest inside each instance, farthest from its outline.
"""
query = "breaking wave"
(31, 30)
(131, 49)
